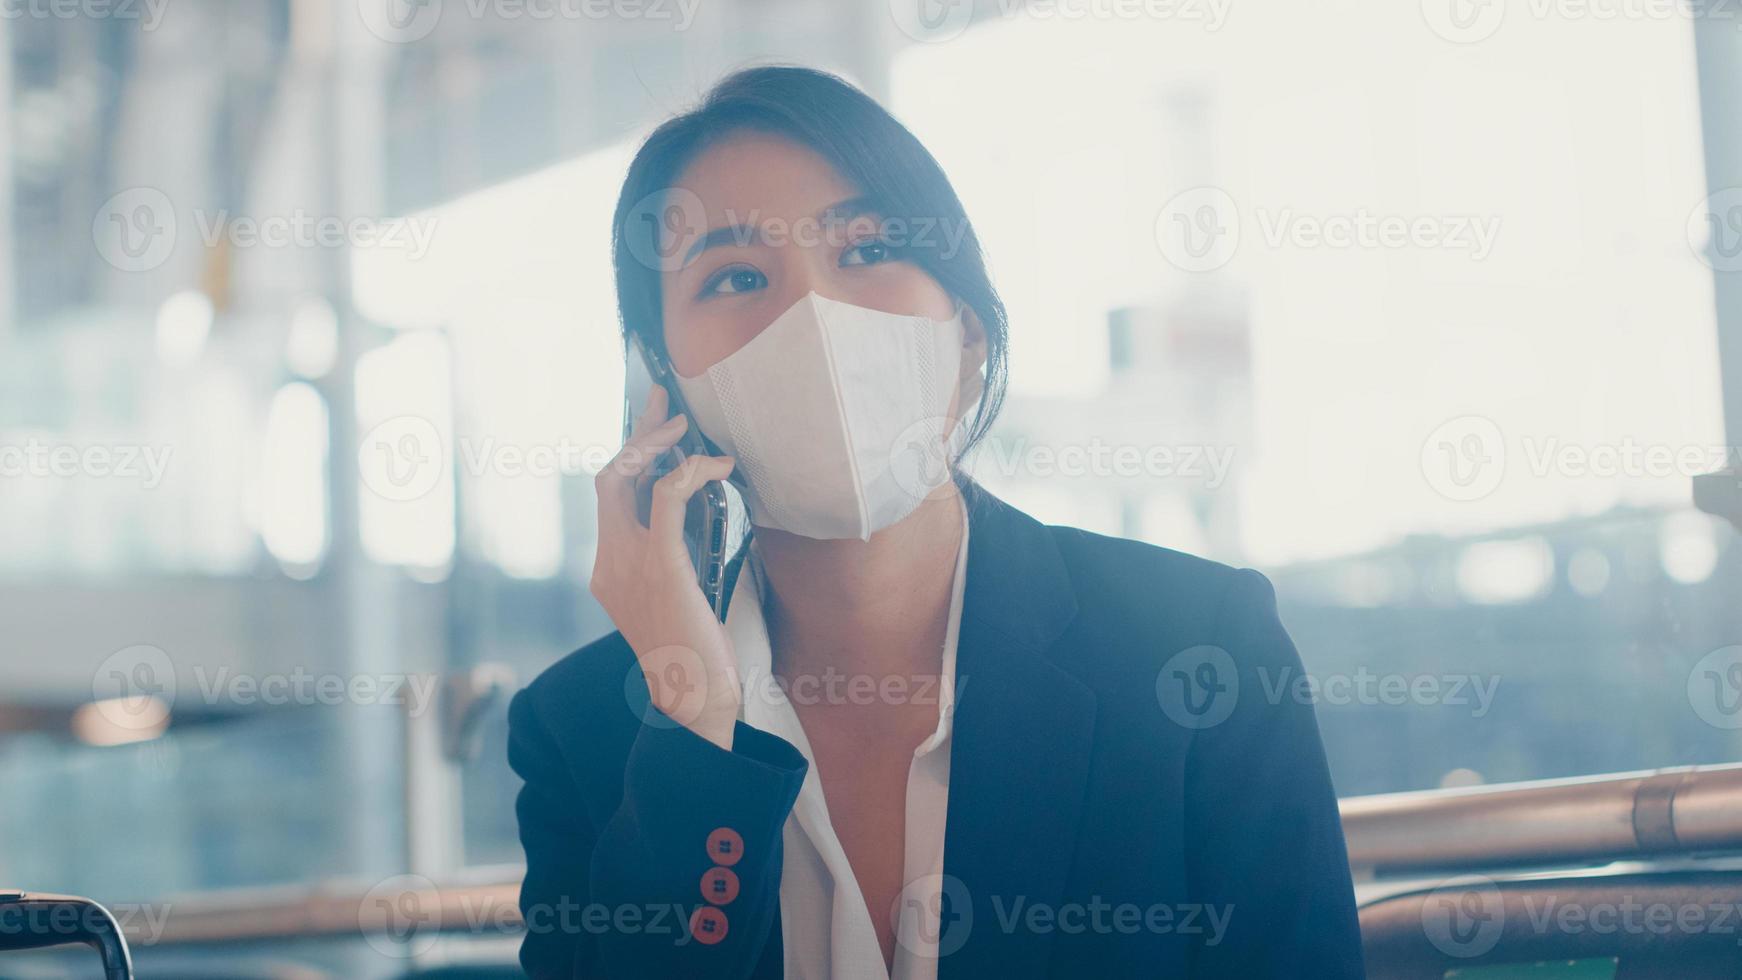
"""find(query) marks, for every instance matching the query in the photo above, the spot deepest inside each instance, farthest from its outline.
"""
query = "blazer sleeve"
(1268, 852)
(650, 892)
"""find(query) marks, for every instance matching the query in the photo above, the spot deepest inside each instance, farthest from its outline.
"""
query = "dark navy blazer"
(1134, 791)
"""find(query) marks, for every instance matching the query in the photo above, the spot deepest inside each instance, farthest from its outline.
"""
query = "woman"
(933, 737)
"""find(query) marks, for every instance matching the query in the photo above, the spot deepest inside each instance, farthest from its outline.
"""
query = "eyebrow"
(739, 233)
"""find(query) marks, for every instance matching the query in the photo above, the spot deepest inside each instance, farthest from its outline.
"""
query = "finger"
(642, 451)
(620, 484)
(671, 495)
(643, 484)
(653, 412)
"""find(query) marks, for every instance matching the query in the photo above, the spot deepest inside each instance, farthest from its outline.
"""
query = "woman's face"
(782, 223)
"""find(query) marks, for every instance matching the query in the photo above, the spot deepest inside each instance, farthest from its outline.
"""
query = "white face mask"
(835, 414)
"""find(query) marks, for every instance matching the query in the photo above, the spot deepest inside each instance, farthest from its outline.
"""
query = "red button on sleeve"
(720, 885)
(725, 846)
(708, 925)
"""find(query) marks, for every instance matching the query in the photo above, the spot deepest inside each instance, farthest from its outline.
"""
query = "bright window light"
(519, 276)
(1550, 291)
(294, 478)
(405, 452)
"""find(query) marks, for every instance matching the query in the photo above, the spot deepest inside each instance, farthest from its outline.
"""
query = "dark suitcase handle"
(33, 920)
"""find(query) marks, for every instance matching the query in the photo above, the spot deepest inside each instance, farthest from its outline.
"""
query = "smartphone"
(708, 515)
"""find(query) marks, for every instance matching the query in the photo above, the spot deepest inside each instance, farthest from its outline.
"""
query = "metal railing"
(1546, 823)
(1550, 822)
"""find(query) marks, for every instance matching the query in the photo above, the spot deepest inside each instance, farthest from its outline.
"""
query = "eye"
(867, 253)
(733, 279)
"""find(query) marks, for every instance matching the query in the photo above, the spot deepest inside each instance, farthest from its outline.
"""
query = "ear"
(973, 339)
(971, 384)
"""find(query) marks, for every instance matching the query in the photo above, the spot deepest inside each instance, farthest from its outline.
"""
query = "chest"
(865, 786)
(864, 771)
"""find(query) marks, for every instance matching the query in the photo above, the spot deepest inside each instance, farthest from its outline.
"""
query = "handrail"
(35, 920)
(1546, 822)
(1557, 821)
(483, 901)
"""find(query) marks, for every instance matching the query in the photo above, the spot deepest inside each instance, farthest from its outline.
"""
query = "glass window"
(1413, 314)
(1437, 354)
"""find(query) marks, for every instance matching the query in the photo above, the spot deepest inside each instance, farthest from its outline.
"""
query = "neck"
(877, 608)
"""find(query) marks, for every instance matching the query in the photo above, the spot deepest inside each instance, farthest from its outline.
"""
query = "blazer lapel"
(1019, 755)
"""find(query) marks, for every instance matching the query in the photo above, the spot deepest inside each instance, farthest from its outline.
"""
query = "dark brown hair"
(866, 145)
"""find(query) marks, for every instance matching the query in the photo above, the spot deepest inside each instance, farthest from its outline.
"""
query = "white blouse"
(826, 928)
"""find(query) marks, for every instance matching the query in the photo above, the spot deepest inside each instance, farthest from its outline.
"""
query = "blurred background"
(308, 353)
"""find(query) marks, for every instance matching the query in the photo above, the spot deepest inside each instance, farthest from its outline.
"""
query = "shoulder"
(1113, 576)
(1144, 612)
(1179, 651)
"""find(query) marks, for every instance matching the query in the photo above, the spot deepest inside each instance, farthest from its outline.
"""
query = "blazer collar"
(1019, 761)
(1020, 745)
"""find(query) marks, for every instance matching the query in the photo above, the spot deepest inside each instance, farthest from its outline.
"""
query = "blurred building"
(330, 280)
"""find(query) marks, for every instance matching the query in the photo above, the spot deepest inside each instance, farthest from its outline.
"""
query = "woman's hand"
(646, 580)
